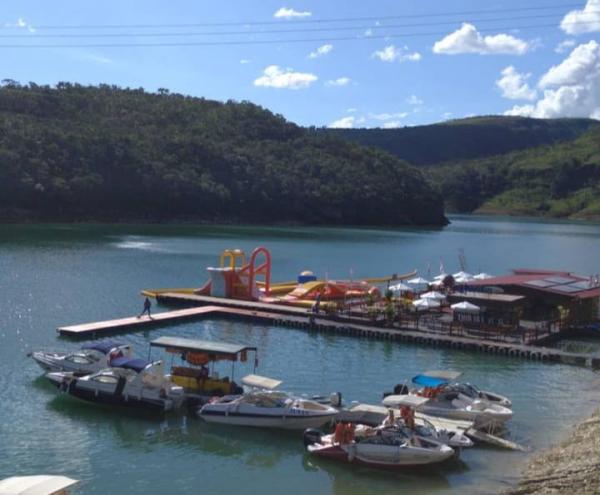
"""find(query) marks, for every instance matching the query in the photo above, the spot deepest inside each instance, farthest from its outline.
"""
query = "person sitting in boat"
(390, 420)
(408, 416)
(338, 435)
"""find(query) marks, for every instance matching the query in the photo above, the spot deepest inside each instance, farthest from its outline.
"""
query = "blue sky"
(443, 60)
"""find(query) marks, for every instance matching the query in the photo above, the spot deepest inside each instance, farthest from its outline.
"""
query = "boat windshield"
(263, 399)
(388, 436)
(466, 389)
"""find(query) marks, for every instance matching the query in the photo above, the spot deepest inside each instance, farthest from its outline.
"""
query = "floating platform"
(286, 316)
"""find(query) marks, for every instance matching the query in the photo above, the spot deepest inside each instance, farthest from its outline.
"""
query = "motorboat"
(129, 382)
(36, 485)
(196, 373)
(264, 407)
(390, 447)
(449, 404)
(90, 358)
(447, 381)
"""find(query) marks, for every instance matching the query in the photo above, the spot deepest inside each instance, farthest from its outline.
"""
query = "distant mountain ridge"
(80, 153)
(469, 138)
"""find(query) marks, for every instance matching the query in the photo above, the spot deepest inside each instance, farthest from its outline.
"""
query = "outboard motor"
(311, 436)
(401, 389)
(335, 399)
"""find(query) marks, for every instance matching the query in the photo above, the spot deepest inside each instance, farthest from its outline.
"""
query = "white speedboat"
(267, 409)
(389, 447)
(90, 358)
(449, 404)
(473, 392)
(129, 382)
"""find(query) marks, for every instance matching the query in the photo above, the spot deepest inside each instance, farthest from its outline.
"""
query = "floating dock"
(286, 316)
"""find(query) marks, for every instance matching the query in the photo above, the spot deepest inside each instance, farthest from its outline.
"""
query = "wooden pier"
(286, 316)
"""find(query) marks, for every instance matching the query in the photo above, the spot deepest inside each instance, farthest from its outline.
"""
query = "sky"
(340, 63)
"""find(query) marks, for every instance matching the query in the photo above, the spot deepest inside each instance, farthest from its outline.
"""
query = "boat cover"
(35, 485)
(404, 400)
(104, 346)
(180, 344)
(132, 364)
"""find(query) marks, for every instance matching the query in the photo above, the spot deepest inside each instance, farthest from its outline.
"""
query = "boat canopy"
(258, 381)
(103, 346)
(435, 378)
(212, 348)
(405, 400)
(35, 485)
(130, 364)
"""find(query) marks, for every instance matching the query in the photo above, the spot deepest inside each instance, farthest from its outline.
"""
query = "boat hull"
(263, 421)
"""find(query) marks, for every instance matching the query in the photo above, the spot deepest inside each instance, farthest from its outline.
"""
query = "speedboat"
(391, 447)
(449, 404)
(129, 382)
(262, 406)
(90, 358)
(447, 380)
(36, 485)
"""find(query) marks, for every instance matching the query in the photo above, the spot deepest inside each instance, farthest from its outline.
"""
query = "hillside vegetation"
(467, 138)
(105, 153)
(562, 180)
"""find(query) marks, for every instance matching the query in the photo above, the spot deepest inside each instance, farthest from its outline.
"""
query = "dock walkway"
(304, 320)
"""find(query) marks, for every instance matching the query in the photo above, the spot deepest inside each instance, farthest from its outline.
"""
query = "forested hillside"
(467, 138)
(105, 153)
(562, 180)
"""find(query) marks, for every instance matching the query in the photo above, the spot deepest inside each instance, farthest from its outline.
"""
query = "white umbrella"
(441, 276)
(400, 287)
(436, 296)
(418, 281)
(426, 304)
(483, 276)
(462, 275)
(465, 307)
(462, 280)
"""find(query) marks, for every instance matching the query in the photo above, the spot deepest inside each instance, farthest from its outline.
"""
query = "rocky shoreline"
(572, 467)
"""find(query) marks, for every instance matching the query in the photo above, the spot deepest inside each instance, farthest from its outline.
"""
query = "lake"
(53, 275)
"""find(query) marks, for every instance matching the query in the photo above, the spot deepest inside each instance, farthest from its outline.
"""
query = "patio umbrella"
(465, 307)
(462, 275)
(400, 287)
(418, 281)
(436, 296)
(422, 304)
(483, 276)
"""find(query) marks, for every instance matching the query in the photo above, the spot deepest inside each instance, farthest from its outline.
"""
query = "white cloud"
(414, 100)
(392, 53)
(571, 88)
(340, 81)
(343, 123)
(447, 115)
(369, 32)
(21, 24)
(467, 39)
(285, 13)
(276, 77)
(583, 21)
(565, 46)
(245, 61)
(394, 124)
(351, 110)
(388, 116)
(514, 85)
(319, 52)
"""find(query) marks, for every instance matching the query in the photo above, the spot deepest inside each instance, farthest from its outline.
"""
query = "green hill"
(467, 138)
(109, 154)
(561, 180)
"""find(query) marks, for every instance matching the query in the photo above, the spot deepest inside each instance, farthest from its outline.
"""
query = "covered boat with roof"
(92, 357)
(41, 484)
(197, 374)
(129, 382)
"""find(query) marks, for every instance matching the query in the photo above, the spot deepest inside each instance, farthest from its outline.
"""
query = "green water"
(57, 275)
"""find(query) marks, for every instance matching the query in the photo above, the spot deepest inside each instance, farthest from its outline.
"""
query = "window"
(106, 379)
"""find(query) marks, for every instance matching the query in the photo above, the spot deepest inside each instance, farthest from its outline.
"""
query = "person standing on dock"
(147, 306)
